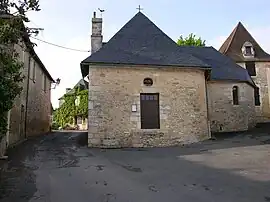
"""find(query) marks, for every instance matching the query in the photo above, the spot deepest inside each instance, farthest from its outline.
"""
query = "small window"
(34, 71)
(257, 96)
(250, 66)
(45, 83)
(148, 81)
(235, 95)
(248, 50)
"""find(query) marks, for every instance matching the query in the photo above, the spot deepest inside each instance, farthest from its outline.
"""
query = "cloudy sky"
(68, 23)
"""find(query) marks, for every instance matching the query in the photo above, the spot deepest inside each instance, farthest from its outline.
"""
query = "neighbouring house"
(30, 115)
(82, 85)
(246, 52)
(146, 91)
(79, 121)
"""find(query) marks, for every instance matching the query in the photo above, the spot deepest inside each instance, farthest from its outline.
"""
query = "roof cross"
(140, 8)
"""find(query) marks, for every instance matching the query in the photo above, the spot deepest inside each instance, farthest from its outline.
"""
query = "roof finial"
(140, 8)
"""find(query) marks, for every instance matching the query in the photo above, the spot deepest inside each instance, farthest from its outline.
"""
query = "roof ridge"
(230, 38)
(232, 46)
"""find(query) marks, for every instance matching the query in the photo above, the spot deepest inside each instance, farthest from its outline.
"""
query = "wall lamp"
(56, 83)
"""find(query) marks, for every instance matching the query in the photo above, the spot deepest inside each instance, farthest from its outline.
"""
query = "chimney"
(68, 89)
(96, 37)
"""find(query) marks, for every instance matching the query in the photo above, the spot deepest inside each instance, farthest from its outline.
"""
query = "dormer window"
(248, 50)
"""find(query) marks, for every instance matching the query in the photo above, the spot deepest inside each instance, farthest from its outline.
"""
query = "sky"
(68, 23)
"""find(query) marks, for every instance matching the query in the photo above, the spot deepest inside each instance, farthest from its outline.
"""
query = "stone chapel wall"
(224, 115)
(113, 90)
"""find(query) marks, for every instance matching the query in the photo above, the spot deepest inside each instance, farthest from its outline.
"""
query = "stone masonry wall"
(38, 104)
(226, 117)
(262, 80)
(113, 90)
(17, 113)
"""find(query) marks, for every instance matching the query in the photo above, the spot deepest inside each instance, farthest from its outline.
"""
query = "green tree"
(12, 31)
(190, 40)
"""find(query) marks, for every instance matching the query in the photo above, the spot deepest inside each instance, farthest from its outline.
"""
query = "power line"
(73, 49)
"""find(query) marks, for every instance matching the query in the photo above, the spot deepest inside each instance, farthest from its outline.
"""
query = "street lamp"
(56, 83)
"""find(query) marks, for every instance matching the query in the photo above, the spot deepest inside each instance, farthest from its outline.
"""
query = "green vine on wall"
(66, 113)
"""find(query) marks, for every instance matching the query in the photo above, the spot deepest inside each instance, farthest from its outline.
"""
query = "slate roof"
(232, 46)
(223, 67)
(82, 84)
(141, 42)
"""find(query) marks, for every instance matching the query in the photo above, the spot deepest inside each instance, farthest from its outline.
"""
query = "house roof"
(82, 84)
(30, 48)
(141, 42)
(232, 46)
(223, 67)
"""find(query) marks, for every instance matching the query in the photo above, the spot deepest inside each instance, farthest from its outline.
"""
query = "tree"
(12, 32)
(190, 40)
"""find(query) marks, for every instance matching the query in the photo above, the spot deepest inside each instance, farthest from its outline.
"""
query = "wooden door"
(150, 111)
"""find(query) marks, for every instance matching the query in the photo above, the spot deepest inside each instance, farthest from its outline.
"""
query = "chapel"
(146, 91)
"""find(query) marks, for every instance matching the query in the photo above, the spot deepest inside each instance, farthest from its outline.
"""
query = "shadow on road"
(226, 169)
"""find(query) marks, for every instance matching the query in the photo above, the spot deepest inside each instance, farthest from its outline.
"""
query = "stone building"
(145, 90)
(78, 121)
(82, 85)
(31, 112)
(246, 52)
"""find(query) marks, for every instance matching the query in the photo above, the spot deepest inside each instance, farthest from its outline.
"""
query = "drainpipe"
(8, 127)
(207, 104)
(27, 94)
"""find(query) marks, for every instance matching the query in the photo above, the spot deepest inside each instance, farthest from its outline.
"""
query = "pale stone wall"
(113, 90)
(226, 117)
(17, 115)
(38, 109)
(39, 103)
(262, 80)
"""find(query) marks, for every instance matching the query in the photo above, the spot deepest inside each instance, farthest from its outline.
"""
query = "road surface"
(55, 168)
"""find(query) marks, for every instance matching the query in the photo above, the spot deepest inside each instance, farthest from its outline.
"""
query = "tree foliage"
(12, 31)
(190, 40)
(66, 113)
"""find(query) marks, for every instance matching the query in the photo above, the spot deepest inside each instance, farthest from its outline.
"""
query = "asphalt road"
(55, 168)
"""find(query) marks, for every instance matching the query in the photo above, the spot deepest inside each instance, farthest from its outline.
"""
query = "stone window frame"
(235, 94)
(248, 46)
